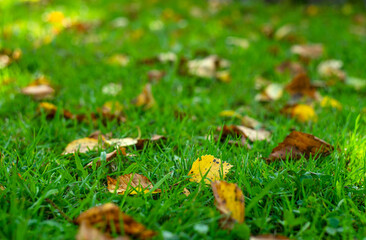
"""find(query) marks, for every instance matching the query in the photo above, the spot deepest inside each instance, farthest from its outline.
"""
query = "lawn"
(81, 47)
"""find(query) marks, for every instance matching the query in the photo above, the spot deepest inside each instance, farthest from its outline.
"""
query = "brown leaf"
(251, 134)
(311, 51)
(268, 237)
(132, 182)
(145, 99)
(297, 145)
(300, 86)
(229, 201)
(109, 219)
(207, 67)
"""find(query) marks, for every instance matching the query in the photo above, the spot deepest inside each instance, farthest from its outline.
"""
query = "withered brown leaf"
(133, 182)
(109, 219)
(297, 145)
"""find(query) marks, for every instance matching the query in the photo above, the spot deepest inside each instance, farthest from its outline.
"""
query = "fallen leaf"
(119, 60)
(301, 112)
(87, 232)
(155, 138)
(5, 61)
(229, 113)
(155, 75)
(207, 67)
(55, 17)
(268, 237)
(331, 70)
(330, 102)
(82, 145)
(272, 92)
(356, 83)
(112, 110)
(284, 32)
(50, 110)
(186, 192)
(108, 219)
(38, 92)
(132, 182)
(145, 98)
(251, 134)
(297, 145)
(168, 57)
(301, 86)
(209, 168)
(112, 89)
(122, 142)
(229, 200)
(239, 42)
(311, 51)
(109, 156)
(99, 135)
(294, 68)
(250, 122)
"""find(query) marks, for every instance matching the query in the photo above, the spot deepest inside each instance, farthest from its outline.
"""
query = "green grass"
(306, 199)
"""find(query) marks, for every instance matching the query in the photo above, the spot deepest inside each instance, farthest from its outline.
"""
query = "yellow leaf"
(208, 167)
(229, 201)
(330, 102)
(55, 17)
(122, 142)
(81, 145)
(301, 112)
(304, 113)
(229, 113)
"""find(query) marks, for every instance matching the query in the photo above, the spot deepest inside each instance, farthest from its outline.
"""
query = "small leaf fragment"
(301, 112)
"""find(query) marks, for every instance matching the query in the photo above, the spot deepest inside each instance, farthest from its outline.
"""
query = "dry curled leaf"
(251, 134)
(229, 201)
(108, 220)
(301, 86)
(297, 145)
(209, 168)
(133, 183)
(145, 99)
(268, 237)
(311, 51)
(82, 145)
(300, 112)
